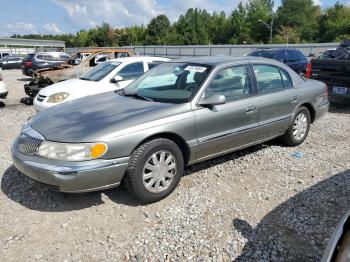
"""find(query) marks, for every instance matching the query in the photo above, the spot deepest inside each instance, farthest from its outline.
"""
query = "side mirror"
(117, 79)
(213, 100)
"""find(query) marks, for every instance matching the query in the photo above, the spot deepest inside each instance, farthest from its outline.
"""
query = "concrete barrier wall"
(211, 50)
(191, 51)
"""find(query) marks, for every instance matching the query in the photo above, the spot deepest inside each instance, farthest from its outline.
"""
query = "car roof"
(139, 58)
(50, 53)
(277, 49)
(217, 60)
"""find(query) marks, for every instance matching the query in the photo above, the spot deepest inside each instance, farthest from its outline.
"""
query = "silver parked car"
(177, 114)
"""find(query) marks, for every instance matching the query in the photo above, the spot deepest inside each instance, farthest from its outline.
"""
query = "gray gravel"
(259, 204)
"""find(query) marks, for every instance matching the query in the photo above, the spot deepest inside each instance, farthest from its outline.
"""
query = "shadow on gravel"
(32, 195)
(298, 229)
(228, 157)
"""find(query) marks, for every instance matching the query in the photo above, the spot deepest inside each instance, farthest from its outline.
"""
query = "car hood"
(71, 86)
(94, 118)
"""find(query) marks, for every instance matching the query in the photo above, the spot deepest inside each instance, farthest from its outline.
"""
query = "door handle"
(250, 110)
(294, 100)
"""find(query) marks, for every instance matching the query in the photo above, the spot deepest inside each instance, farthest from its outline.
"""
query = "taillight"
(28, 64)
(308, 70)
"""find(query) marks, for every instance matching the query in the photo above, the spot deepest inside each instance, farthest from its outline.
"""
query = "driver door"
(221, 128)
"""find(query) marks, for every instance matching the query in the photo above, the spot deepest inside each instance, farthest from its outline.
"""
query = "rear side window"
(121, 54)
(132, 71)
(287, 80)
(64, 57)
(50, 58)
(40, 57)
(14, 59)
(268, 78)
(292, 57)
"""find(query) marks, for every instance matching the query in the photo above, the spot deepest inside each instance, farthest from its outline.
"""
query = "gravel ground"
(258, 204)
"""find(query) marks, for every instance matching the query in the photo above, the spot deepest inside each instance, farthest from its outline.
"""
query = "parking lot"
(265, 202)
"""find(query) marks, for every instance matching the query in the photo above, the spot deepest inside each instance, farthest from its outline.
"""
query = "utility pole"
(269, 26)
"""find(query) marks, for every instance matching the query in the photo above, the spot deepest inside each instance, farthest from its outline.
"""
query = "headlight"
(58, 97)
(72, 152)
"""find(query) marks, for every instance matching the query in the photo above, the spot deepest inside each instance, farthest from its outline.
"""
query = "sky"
(69, 16)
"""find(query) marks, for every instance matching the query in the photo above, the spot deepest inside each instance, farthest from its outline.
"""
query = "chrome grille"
(28, 145)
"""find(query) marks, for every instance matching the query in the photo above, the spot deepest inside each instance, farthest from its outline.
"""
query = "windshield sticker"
(199, 69)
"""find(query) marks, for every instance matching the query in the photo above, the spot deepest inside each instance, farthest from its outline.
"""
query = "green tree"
(335, 23)
(258, 13)
(301, 14)
(239, 30)
(157, 30)
(193, 27)
(287, 35)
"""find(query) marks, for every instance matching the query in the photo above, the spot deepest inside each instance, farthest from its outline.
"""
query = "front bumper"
(74, 177)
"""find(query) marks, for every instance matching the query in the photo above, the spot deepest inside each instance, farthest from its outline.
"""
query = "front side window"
(121, 54)
(268, 78)
(170, 82)
(132, 71)
(232, 82)
(300, 55)
(281, 56)
(292, 57)
(99, 72)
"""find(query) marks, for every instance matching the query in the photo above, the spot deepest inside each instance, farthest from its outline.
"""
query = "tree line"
(295, 21)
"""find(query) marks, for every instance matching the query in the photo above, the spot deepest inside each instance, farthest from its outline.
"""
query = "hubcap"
(300, 126)
(159, 171)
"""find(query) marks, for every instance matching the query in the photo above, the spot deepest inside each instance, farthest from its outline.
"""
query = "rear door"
(277, 99)
(233, 124)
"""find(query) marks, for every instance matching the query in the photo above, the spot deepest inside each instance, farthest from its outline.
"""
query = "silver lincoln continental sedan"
(177, 114)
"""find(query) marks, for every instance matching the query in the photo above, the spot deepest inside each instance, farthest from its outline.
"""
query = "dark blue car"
(290, 56)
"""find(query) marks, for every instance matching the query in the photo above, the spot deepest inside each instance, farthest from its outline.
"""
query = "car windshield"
(266, 54)
(100, 71)
(169, 82)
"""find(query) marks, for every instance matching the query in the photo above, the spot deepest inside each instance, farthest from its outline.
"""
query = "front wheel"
(154, 170)
(299, 129)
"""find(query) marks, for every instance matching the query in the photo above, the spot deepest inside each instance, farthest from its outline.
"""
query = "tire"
(289, 138)
(136, 180)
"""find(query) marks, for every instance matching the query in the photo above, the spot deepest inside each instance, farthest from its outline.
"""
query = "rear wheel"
(154, 170)
(299, 129)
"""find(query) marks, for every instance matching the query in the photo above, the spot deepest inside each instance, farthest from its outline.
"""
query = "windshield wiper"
(135, 95)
